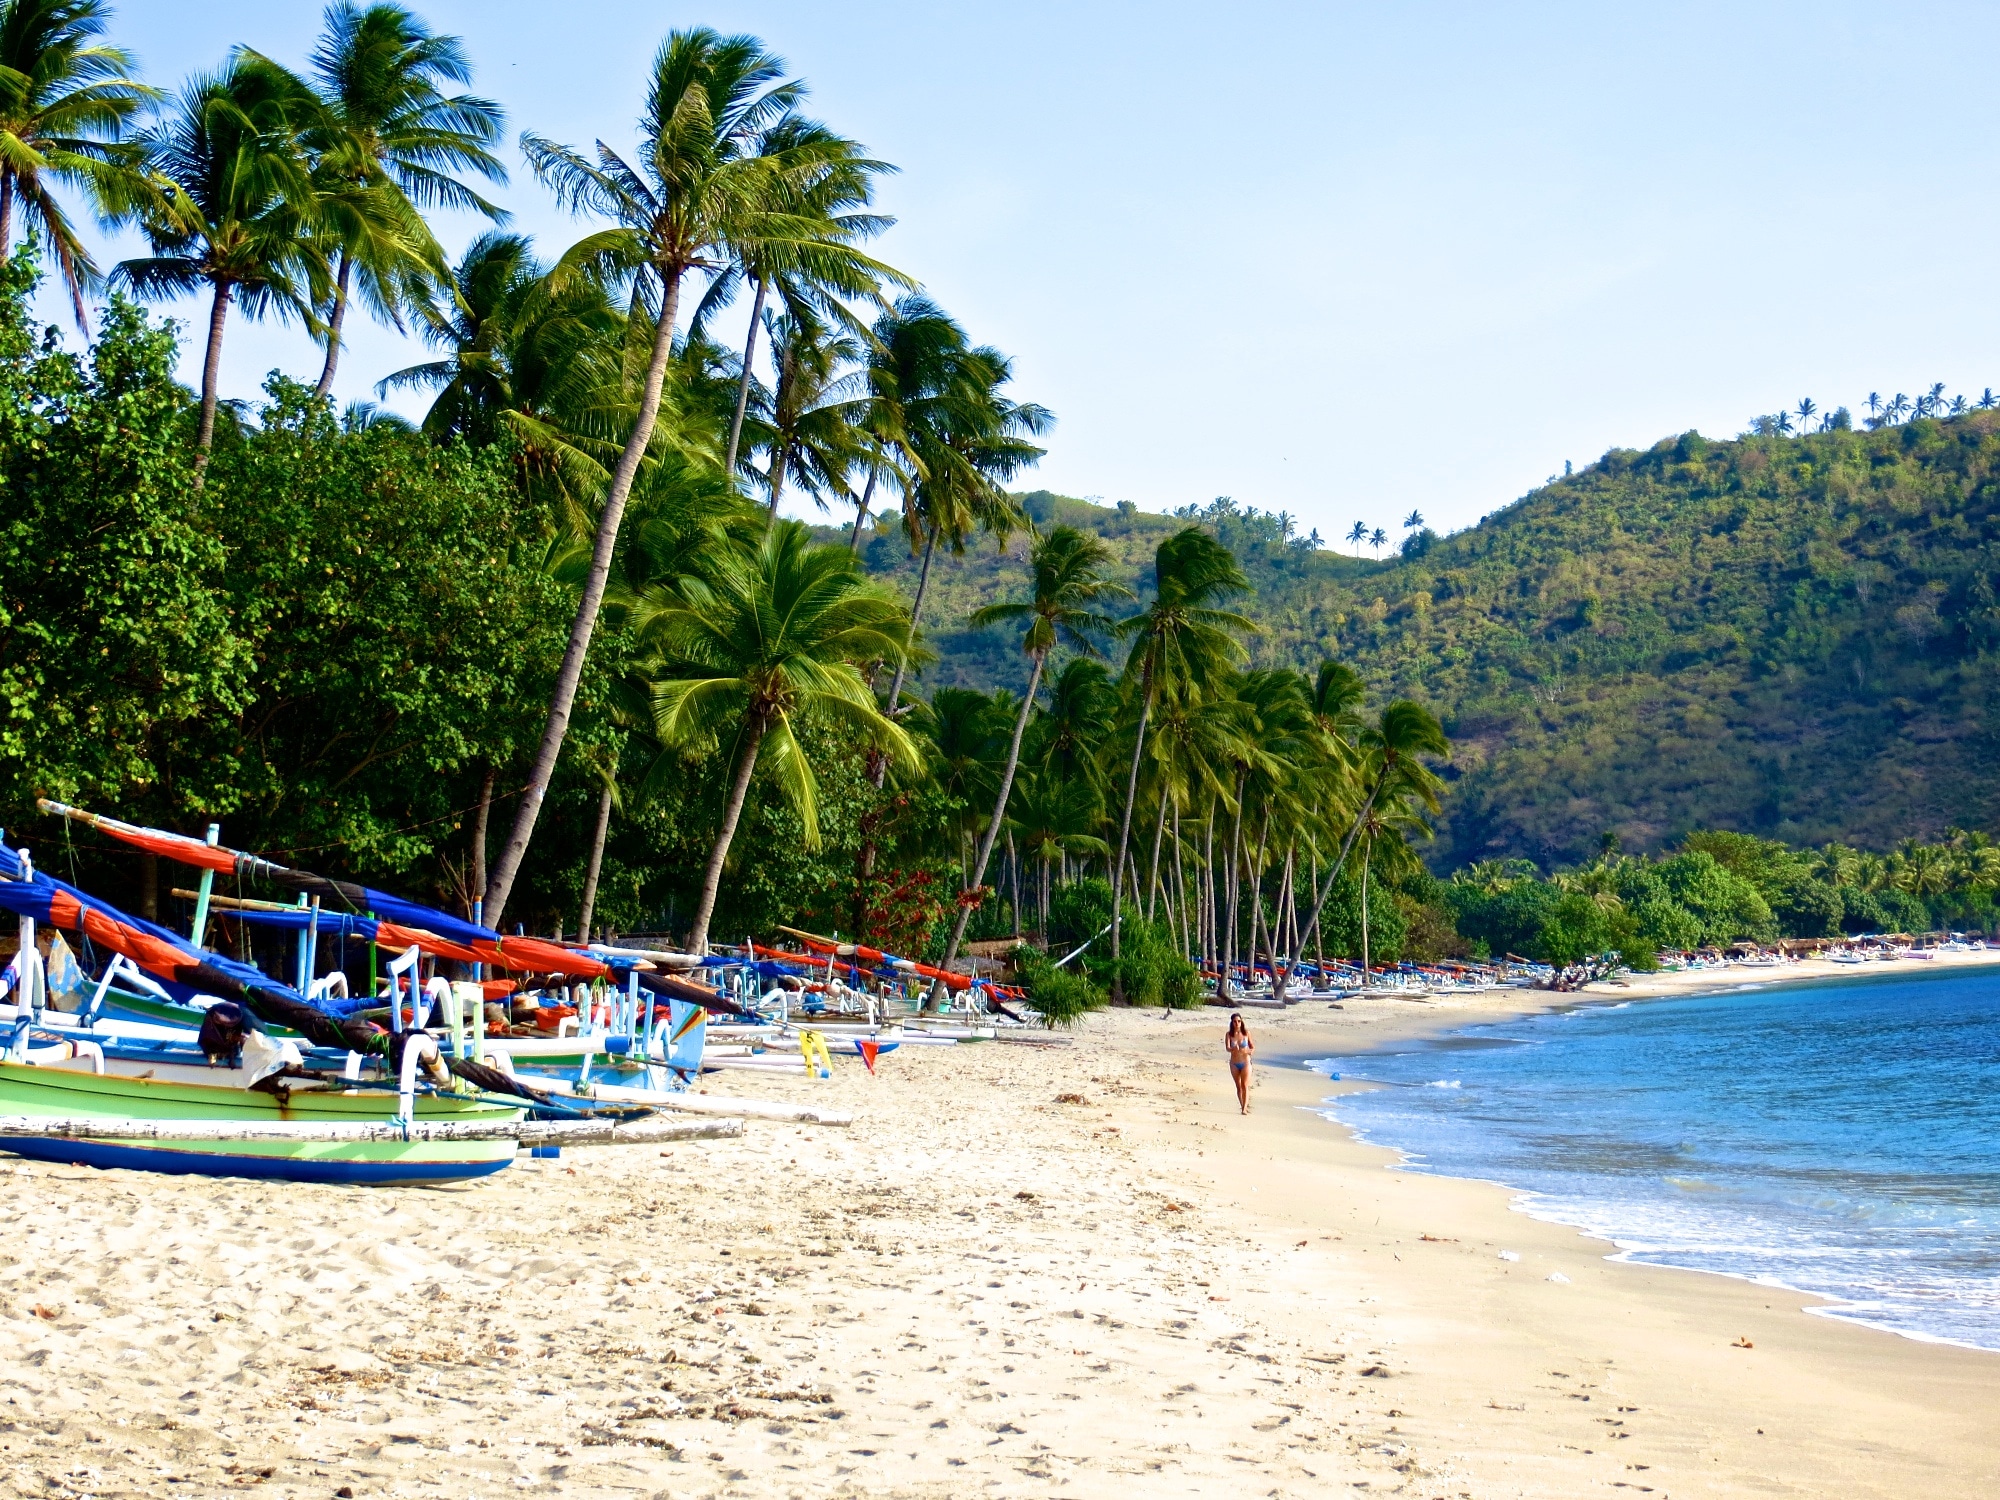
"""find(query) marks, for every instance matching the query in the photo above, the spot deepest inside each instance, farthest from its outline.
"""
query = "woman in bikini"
(1236, 1042)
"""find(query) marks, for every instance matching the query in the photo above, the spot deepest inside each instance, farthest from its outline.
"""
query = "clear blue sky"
(1342, 260)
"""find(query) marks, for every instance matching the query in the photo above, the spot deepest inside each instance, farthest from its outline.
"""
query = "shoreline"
(1678, 985)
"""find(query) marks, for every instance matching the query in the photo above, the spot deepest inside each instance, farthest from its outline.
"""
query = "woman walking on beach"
(1236, 1041)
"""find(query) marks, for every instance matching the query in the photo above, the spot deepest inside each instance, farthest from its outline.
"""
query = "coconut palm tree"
(1066, 570)
(1055, 819)
(700, 185)
(963, 437)
(836, 200)
(1392, 752)
(391, 132)
(536, 359)
(1378, 539)
(1183, 642)
(764, 638)
(1805, 410)
(1413, 520)
(805, 423)
(912, 349)
(1358, 535)
(240, 213)
(66, 101)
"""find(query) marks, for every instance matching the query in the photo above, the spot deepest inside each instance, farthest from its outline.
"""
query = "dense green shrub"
(1061, 995)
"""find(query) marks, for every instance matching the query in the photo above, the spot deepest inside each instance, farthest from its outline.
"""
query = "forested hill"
(1789, 636)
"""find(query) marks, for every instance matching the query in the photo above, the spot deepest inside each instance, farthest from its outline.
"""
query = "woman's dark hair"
(1236, 1020)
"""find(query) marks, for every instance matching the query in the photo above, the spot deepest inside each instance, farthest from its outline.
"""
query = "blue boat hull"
(109, 1155)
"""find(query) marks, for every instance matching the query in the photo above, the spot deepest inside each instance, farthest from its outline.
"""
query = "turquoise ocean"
(1836, 1136)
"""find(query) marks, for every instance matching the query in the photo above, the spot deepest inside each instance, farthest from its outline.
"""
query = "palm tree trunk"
(711, 875)
(1014, 879)
(1180, 887)
(1208, 885)
(571, 671)
(1347, 844)
(986, 839)
(596, 865)
(1319, 947)
(1124, 836)
(777, 483)
(333, 322)
(861, 510)
(743, 383)
(903, 666)
(479, 821)
(1233, 900)
(1364, 916)
(6, 217)
(1258, 924)
(211, 372)
(1153, 880)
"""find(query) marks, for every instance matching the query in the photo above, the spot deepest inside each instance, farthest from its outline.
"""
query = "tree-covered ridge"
(1783, 636)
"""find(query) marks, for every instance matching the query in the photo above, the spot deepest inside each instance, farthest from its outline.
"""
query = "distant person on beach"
(1236, 1041)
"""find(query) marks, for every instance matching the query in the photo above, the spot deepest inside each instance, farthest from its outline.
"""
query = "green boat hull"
(63, 1094)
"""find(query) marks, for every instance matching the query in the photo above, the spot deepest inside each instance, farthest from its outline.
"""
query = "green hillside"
(1792, 637)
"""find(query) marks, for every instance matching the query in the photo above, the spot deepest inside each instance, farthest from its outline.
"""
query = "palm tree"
(700, 186)
(963, 438)
(1935, 398)
(1413, 520)
(534, 359)
(1067, 572)
(1392, 765)
(1068, 735)
(1358, 535)
(1898, 407)
(913, 348)
(65, 102)
(764, 638)
(1055, 818)
(1958, 406)
(806, 423)
(239, 214)
(391, 133)
(1987, 400)
(1181, 643)
(1874, 403)
(1378, 539)
(1805, 409)
(834, 202)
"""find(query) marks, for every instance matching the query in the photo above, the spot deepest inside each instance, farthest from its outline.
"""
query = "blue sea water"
(1839, 1136)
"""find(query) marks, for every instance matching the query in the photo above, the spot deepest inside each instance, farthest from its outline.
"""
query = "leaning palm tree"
(391, 133)
(1068, 583)
(66, 99)
(239, 213)
(1181, 643)
(699, 186)
(766, 638)
(836, 199)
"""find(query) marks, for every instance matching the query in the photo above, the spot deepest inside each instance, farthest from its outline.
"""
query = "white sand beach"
(1021, 1272)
